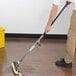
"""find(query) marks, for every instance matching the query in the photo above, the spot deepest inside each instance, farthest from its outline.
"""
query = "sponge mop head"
(15, 69)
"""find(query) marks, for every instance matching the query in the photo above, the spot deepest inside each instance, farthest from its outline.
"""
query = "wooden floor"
(39, 62)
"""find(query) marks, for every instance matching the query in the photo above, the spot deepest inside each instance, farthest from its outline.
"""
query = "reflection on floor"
(39, 62)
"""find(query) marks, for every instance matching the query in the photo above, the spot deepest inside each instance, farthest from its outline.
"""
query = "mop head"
(15, 70)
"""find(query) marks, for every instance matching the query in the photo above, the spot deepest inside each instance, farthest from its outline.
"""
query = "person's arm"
(51, 17)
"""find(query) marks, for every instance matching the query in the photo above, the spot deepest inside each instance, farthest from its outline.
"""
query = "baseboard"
(50, 36)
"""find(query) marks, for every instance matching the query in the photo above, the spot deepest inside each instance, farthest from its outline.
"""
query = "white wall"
(30, 16)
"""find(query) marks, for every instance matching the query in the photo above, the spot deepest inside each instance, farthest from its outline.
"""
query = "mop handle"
(67, 3)
(33, 46)
(37, 42)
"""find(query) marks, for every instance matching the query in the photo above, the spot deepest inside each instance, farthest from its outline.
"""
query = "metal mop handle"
(36, 43)
(67, 3)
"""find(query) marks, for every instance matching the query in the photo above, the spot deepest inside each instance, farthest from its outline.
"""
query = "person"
(71, 38)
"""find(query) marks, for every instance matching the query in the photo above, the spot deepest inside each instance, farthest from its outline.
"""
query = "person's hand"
(47, 28)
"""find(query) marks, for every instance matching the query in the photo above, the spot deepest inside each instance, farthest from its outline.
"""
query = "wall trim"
(50, 36)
